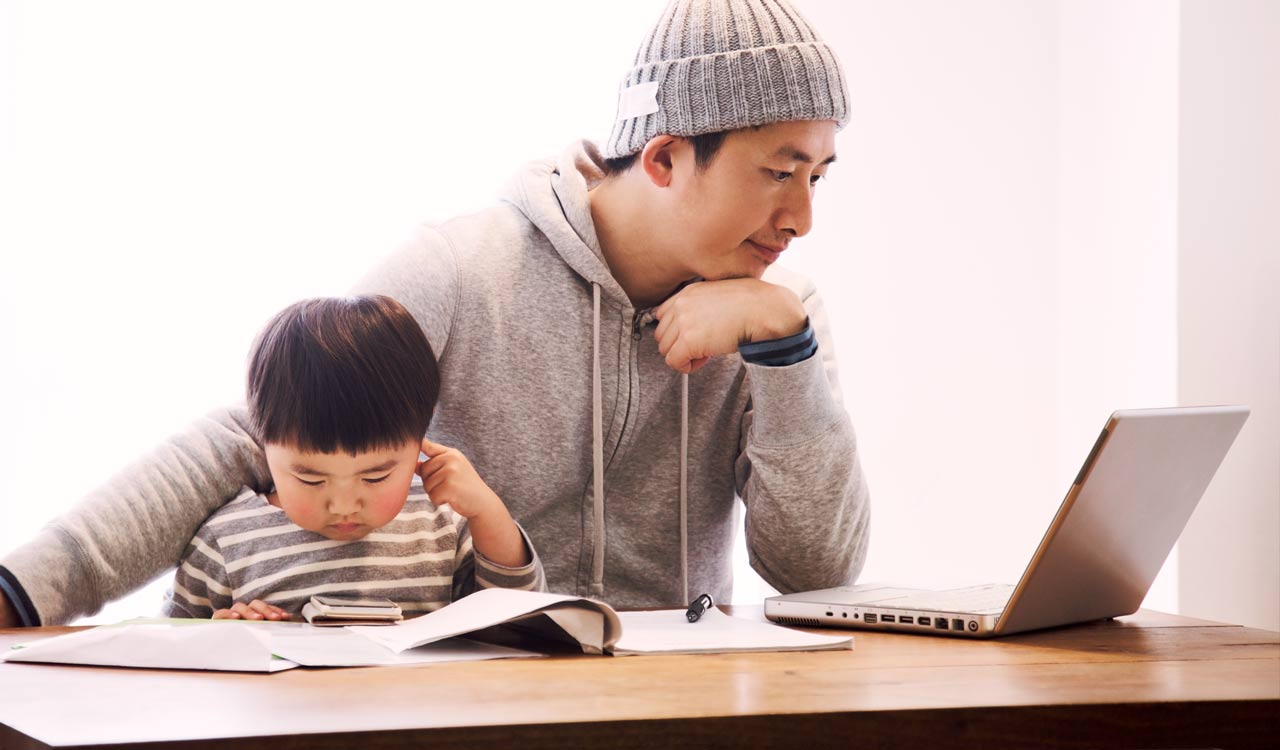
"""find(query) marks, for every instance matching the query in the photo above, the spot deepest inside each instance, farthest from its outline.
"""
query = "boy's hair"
(705, 148)
(348, 374)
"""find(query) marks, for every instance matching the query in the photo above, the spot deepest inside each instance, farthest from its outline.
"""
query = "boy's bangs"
(347, 376)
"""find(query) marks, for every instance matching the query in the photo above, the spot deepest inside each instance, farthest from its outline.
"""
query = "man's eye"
(379, 479)
(814, 179)
(311, 484)
(779, 176)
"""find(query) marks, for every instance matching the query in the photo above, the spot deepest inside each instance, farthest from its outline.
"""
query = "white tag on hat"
(638, 100)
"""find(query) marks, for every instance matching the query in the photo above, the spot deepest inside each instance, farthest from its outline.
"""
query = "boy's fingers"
(433, 449)
(432, 482)
(246, 611)
(268, 611)
(429, 468)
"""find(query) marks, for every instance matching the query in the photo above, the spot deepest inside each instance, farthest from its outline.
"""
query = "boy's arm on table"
(135, 526)
(798, 472)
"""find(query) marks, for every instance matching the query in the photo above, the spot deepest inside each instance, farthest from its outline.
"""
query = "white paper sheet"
(227, 646)
(668, 631)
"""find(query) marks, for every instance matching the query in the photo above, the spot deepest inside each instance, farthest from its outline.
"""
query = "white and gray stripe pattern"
(249, 549)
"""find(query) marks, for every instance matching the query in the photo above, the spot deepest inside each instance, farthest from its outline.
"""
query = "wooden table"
(1146, 681)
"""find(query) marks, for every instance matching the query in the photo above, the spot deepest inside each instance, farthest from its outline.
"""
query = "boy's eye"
(310, 484)
(379, 479)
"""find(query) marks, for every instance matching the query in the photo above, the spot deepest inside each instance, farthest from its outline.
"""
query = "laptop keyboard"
(976, 600)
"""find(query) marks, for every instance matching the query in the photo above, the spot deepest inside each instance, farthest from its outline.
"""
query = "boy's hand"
(254, 610)
(709, 318)
(450, 479)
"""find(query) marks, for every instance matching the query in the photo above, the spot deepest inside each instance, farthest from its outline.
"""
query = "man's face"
(739, 214)
(338, 495)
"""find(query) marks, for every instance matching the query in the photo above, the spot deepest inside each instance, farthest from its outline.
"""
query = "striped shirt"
(422, 560)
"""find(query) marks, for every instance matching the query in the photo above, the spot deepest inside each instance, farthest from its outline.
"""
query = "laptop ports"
(887, 618)
(869, 618)
(940, 623)
(925, 621)
(907, 620)
(957, 624)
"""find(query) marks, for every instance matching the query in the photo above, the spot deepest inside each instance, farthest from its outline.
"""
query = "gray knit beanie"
(713, 65)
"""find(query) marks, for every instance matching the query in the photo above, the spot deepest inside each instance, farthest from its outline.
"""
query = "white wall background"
(1228, 306)
(998, 244)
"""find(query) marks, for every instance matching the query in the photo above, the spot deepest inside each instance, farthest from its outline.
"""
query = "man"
(615, 360)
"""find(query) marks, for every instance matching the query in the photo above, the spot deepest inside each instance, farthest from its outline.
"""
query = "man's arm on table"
(134, 527)
(137, 526)
(798, 472)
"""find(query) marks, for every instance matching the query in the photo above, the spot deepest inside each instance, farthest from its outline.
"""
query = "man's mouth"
(766, 253)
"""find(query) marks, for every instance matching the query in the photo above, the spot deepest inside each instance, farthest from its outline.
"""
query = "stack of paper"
(592, 626)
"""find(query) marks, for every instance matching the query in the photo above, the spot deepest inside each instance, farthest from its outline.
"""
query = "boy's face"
(341, 496)
(738, 215)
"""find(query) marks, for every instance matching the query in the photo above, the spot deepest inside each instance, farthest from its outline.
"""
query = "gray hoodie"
(547, 371)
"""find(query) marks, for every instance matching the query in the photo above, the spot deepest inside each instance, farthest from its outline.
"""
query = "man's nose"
(795, 218)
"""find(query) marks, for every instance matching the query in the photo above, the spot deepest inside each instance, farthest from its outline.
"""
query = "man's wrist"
(782, 316)
(781, 352)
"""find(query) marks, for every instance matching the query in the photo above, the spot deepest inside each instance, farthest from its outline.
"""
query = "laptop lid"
(1122, 515)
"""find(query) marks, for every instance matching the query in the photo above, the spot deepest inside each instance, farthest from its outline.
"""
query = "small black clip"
(698, 606)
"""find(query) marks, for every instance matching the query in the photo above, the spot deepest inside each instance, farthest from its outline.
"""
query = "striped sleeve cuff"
(781, 352)
(18, 599)
(490, 574)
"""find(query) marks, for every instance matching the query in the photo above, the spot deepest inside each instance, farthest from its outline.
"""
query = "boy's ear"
(658, 158)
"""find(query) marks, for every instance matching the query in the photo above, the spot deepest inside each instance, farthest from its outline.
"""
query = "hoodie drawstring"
(597, 455)
(597, 467)
(684, 489)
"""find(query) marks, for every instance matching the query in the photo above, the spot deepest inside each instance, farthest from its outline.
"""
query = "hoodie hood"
(552, 194)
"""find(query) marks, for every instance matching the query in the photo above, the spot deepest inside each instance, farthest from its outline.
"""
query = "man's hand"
(709, 318)
(254, 610)
(8, 617)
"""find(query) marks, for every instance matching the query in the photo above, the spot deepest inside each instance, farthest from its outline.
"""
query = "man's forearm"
(799, 472)
(136, 526)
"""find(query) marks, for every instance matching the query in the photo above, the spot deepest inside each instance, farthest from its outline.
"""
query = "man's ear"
(658, 158)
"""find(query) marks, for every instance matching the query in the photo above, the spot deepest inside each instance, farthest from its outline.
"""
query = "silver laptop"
(1120, 519)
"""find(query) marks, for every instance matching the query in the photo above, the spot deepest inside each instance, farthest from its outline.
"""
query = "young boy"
(340, 394)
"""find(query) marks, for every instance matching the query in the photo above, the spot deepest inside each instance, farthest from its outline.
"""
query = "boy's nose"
(344, 504)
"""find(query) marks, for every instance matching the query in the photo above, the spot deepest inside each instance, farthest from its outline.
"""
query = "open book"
(497, 623)
(594, 627)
